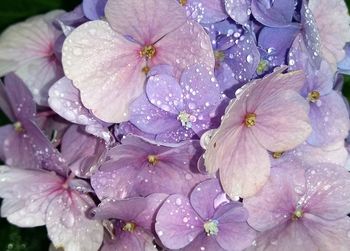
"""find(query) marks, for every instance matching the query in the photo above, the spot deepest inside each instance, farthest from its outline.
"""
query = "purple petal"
(31, 149)
(329, 119)
(328, 235)
(203, 242)
(5, 131)
(344, 65)
(177, 135)
(127, 210)
(238, 10)
(201, 94)
(71, 19)
(243, 57)
(234, 231)
(276, 13)
(146, 218)
(212, 192)
(277, 199)
(226, 79)
(94, 9)
(311, 35)
(19, 97)
(206, 11)
(164, 92)
(177, 224)
(139, 240)
(151, 119)
(129, 172)
(277, 41)
(83, 153)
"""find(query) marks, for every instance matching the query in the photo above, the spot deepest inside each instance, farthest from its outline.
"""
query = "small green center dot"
(211, 227)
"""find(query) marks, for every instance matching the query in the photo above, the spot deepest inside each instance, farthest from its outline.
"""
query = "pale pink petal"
(282, 121)
(28, 47)
(273, 84)
(286, 237)
(332, 19)
(39, 76)
(311, 155)
(221, 139)
(244, 164)
(67, 224)
(26, 194)
(328, 191)
(329, 235)
(105, 67)
(274, 203)
(186, 46)
(145, 21)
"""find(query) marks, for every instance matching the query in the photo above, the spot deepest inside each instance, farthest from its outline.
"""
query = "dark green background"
(12, 11)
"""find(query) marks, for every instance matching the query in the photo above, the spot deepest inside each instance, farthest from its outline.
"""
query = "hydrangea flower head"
(108, 61)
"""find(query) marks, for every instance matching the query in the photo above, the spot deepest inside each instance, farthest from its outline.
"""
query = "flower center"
(219, 57)
(129, 227)
(152, 159)
(183, 2)
(277, 155)
(250, 119)
(211, 227)
(18, 127)
(313, 96)
(148, 51)
(262, 67)
(186, 119)
(298, 213)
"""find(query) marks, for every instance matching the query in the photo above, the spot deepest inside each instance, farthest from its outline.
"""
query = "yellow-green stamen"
(211, 227)
(250, 119)
(277, 155)
(18, 127)
(185, 119)
(298, 213)
(129, 227)
(148, 51)
(263, 66)
(313, 96)
(183, 2)
(152, 159)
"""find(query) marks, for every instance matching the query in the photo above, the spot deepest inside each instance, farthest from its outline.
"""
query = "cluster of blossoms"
(179, 125)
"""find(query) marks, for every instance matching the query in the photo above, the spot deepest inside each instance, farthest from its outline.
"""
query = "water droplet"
(250, 59)
(178, 201)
